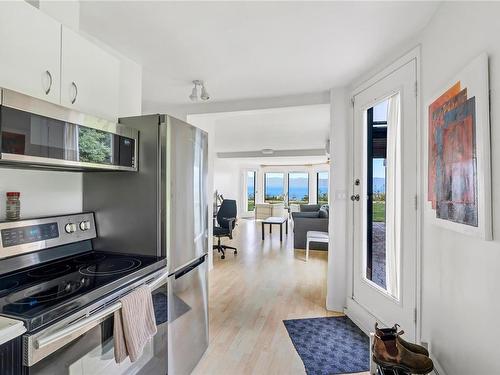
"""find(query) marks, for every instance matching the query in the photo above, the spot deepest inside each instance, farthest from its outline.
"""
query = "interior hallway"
(251, 294)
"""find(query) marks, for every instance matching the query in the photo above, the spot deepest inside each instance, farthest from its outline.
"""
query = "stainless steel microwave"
(36, 133)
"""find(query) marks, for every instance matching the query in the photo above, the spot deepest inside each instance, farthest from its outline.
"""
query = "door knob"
(355, 197)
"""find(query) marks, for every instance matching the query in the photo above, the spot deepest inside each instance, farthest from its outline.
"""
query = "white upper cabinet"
(29, 51)
(89, 76)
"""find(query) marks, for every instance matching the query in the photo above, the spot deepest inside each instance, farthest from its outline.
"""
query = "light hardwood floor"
(249, 297)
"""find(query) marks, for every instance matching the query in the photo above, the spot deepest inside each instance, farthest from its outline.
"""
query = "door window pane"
(322, 187)
(274, 187)
(250, 191)
(376, 192)
(298, 187)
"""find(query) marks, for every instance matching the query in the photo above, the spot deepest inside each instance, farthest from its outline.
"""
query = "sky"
(378, 168)
(379, 114)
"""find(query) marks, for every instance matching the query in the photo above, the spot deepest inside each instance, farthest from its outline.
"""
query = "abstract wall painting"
(459, 171)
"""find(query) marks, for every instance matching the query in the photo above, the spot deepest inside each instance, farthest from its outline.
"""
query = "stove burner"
(59, 291)
(50, 270)
(90, 258)
(111, 267)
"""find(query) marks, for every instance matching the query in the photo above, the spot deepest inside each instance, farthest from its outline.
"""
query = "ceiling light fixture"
(194, 92)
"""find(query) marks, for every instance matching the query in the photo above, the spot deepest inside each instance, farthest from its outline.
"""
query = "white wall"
(228, 180)
(43, 193)
(337, 277)
(460, 277)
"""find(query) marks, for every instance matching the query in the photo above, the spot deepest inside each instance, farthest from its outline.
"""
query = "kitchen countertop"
(10, 329)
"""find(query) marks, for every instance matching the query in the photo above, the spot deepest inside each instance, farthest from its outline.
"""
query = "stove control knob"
(70, 228)
(85, 225)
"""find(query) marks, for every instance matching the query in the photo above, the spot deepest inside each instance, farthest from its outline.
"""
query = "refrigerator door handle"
(185, 270)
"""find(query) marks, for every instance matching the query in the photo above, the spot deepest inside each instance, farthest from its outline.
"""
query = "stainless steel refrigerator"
(162, 210)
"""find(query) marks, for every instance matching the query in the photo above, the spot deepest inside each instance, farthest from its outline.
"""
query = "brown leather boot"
(408, 345)
(389, 352)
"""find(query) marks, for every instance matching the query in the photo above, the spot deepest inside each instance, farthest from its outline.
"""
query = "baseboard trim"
(360, 316)
(366, 321)
(438, 369)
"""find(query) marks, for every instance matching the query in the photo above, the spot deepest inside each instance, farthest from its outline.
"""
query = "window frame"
(317, 187)
(288, 188)
(265, 185)
(247, 200)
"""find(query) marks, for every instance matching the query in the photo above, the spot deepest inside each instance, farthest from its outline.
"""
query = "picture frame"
(459, 154)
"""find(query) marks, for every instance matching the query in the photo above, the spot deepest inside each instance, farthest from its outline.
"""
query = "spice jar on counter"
(13, 211)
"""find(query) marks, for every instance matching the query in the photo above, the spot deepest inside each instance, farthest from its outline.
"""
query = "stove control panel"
(23, 236)
(70, 228)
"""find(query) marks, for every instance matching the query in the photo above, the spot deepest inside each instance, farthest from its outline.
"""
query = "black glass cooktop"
(41, 294)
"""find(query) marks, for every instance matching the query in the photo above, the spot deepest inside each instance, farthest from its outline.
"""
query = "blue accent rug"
(333, 345)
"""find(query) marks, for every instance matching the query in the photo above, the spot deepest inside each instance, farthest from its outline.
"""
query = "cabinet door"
(89, 76)
(29, 51)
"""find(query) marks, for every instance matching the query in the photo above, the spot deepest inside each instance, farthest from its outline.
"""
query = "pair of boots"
(391, 351)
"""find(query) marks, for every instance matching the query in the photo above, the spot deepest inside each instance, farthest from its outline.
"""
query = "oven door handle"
(69, 330)
(92, 320)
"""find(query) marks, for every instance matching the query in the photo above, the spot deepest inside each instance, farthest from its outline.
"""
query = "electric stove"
(38, 295)
(41, 286)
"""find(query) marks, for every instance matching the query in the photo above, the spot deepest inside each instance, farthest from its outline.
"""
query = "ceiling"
(287, 128)
(246, 50)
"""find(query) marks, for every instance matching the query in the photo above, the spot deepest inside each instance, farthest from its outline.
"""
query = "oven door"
(90, 350)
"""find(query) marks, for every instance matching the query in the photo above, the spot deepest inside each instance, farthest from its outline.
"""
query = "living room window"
(274, 187)
(298, 187)
(251, 177)
(322, 187)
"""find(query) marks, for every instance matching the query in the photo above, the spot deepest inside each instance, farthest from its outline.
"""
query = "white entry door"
(384, 198)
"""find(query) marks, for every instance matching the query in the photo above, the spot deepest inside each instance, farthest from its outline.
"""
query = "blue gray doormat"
(333, 345)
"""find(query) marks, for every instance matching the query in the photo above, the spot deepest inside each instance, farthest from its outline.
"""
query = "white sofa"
(265, 210)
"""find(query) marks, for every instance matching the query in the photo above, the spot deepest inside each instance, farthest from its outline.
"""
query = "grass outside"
(251, 205)
(378, 211)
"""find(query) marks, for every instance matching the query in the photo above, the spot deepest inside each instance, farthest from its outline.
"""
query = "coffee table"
(275, 220)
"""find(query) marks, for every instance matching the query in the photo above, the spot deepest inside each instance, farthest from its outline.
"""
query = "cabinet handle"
(355, 197)
(76, 92)
(50, 82)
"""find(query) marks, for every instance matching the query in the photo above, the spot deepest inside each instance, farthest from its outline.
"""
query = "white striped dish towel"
(134, 324)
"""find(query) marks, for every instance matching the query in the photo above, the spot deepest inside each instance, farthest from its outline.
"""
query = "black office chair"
(226, 218)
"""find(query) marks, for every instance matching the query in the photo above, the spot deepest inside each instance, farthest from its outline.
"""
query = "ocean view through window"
(298, 187)
(322, 187)
(251, 190)
(274, 187)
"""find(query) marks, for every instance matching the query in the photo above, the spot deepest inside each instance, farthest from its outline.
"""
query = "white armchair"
(265, 210)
